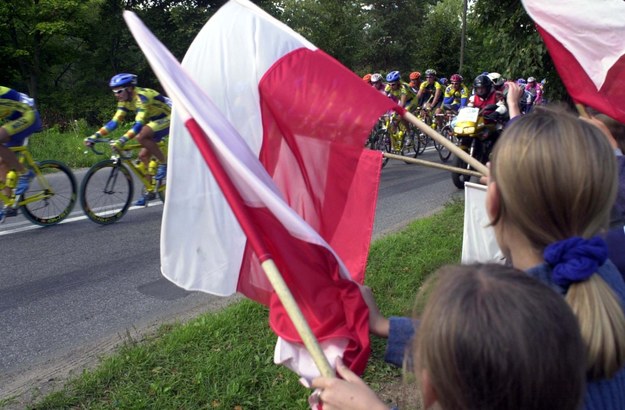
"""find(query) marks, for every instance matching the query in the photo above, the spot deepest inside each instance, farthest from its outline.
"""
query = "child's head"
(556, 177)
(492, 337)
(553, 178)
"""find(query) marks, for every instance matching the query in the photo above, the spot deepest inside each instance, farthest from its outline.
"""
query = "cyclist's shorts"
(160, 128)
(22, 128)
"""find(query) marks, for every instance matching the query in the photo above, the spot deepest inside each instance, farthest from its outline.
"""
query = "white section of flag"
(593, 31)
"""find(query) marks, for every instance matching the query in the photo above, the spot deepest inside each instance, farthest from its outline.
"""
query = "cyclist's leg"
(151, 134)
(8, 157)
(13, 134)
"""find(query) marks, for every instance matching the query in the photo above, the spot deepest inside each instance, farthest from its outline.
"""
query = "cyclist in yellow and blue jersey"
(152, 116)
(19, 119)
(456, 94)
(431, 91)
(399, 91)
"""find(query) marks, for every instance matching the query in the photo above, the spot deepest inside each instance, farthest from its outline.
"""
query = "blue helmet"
(122, 79)
(393, 76)
(442, 80)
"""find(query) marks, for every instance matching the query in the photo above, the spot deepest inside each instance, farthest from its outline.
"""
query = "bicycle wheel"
(106, 192)
(382, 143)
(410, 145)
(56, 184)
(423, 142)
(443, 152)
(161, 186)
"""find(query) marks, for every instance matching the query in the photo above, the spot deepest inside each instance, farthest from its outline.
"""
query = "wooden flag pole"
(432, 164)
(481, 168)
(296, 316)
(581, 109)
(264, 256)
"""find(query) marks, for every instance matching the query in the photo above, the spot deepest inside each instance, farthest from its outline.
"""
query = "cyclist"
(443, 81)
(415, 81)
(456, 94)
(151, 125)
(498, 81)
(377, 83)
(395, 89)
(430, 91)
(21, 119)
(403, 96)
(535, 93)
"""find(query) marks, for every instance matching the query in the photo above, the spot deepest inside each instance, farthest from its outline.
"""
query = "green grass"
(224, 360)
(67, 147)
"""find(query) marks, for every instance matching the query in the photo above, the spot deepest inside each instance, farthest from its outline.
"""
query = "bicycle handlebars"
(119, 152)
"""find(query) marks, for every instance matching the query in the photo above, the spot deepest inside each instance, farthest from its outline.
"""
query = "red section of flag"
(316, 118)
(608, 100)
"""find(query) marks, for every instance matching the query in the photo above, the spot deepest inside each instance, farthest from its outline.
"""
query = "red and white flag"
(586, 40)
(288, 124)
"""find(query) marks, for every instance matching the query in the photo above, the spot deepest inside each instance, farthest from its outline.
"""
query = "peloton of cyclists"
(151, 124)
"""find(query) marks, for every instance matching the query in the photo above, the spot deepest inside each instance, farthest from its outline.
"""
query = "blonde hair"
(492, 337)
(557, 179)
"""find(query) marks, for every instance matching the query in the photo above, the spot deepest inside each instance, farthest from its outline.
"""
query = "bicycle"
(51, 195)
(380, 139)
(107, 188)
(447, 132)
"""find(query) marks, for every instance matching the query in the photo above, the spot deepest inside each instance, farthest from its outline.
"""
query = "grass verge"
(67, 147)
(224, 360)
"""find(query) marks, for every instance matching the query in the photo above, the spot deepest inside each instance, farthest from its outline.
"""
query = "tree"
(441, 31)
(504, 39)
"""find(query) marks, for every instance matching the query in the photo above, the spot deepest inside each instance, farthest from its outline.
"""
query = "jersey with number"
(149, 106)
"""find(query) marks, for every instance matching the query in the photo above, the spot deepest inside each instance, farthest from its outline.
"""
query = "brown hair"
(491, 337)
(557, 179)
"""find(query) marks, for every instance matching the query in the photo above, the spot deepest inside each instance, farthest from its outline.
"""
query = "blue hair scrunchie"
(575, 259)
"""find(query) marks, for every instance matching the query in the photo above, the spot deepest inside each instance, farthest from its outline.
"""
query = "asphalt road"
(71, 292)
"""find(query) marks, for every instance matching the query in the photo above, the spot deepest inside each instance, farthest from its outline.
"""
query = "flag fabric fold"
(586, 41)
(288, 124)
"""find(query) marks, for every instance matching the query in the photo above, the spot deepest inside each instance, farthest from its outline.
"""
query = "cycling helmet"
(376, 78)
(521, 81)
(367, 77)
(393, 76)
(415, 75)
(456, 78)
(531, 80)
(442, 80)
(120, 80)
(497, 79)
(483, 85)
(430, 72)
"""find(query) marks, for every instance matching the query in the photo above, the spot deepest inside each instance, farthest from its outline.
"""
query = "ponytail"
(599, 312)
(602, 324)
